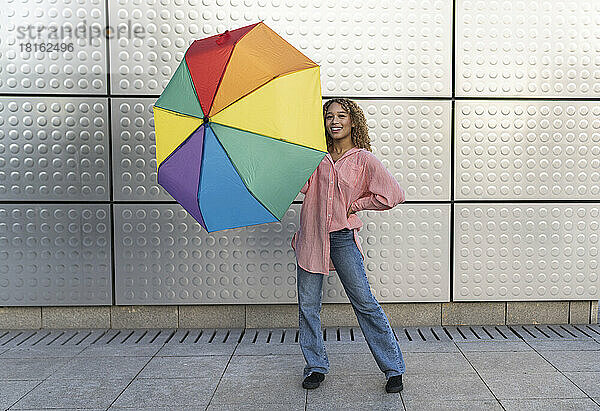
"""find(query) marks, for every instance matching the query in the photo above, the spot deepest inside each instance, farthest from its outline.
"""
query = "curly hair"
(360, 131)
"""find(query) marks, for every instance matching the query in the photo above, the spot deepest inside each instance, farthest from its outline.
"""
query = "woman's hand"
(350, 212)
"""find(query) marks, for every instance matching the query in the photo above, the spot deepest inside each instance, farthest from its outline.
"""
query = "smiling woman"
(345, 126)
(349, 179)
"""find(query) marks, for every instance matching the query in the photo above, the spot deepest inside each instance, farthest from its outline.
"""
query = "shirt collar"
(347, 153)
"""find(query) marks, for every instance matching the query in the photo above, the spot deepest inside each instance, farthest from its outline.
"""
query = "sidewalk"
(466, 368)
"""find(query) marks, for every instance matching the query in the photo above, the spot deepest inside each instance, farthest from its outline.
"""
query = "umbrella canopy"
(239, 128)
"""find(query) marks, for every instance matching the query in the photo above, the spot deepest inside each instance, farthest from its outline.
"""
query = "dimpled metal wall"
(502, 194)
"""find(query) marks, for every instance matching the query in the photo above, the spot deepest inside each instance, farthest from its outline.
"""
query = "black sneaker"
(313, 380)
(394, 384)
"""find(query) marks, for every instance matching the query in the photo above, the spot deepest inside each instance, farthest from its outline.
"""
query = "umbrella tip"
(223, 37)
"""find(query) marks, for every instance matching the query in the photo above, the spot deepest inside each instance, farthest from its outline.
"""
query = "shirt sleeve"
(384, 192)
(307, 184)
(303, 189)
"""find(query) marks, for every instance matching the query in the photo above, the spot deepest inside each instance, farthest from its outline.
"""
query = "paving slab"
(428, 346)
(503, 362)
(580, 361)
(61, 409)
(437, 363)
(436, 405)
(353, 364)
(185, 367)
(182, 375)
(566, 345)
(169, 393)
(279, 406)
(361, 406)
(187, 350)
(12, 391)
(247, 391)
(425, 387)
(515, 385)
(580, 404)
(100, 368)
(122, 350)
(42, 352)
(499, 346)
(29, 368)
(346, 391)
(274, 365)
(268, 349)
(152, 408)
(66, 394)
(588, 382)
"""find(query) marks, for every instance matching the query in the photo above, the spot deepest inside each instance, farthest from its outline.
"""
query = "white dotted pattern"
(516, 252)
(407, 255)
(366, 48)
(412, 139)
(55, 255)
(527, 150)
(144, 63)
(134, 151)
(53, 148)
(56, 148)
(35, 56)
(163, 256)
(527, 48)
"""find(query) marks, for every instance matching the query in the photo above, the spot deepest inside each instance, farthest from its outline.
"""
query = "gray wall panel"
(134, 151)
(53, 148)
(55, 254)
(517, 252)
(47, 29)
(407, 255)
(529, 48)
(164, 257)
(527, 150)
(365, 48)
(144, 64)
(412, 139)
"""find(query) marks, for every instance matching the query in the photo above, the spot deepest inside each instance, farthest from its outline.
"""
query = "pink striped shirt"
(356, 179)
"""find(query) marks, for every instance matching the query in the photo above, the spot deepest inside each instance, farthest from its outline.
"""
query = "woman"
(349, 179)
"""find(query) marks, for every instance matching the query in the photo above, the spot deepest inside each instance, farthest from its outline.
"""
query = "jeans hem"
(393, 374)
(317, 369)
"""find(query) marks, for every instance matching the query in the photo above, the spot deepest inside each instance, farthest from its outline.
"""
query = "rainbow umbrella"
(239, 128)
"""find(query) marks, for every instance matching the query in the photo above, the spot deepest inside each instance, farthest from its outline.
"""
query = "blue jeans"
(373, 322)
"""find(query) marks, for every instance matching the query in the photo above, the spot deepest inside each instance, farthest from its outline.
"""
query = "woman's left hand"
(350, 212)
